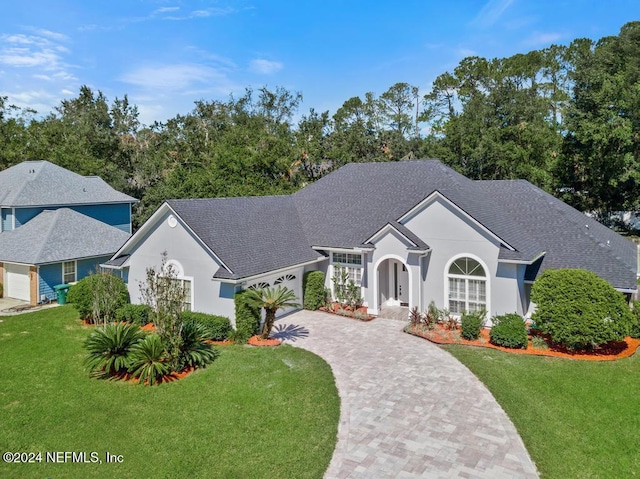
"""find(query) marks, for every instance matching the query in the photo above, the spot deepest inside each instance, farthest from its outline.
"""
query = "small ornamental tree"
(271, 299)
(579, 310)
(97, 297)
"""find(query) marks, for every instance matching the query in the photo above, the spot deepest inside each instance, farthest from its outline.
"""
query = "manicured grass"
(578, 419)
(253, 413)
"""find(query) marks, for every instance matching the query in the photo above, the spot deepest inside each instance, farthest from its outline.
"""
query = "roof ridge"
(37, 173)
(49, 231)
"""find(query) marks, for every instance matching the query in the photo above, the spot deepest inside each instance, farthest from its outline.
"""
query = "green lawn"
(578, 419)
(254, 412)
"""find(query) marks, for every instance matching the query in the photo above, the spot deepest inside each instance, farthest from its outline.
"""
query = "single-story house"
(409, 233)
(56, 227)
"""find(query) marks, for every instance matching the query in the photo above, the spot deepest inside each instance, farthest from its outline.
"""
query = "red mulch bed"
(258, 341)
(608, 352)
(336, 307)
(164, 379)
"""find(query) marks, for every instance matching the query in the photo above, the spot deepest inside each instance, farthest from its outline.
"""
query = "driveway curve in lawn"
(408, 408)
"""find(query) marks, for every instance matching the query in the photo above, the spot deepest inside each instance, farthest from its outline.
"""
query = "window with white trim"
(350, 262)
(69, 272)
(467, 286)
(185, 284)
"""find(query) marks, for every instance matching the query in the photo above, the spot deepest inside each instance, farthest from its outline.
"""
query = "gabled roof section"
(570, 238)
(41, 183)
(60, 235)
(417, 243)
(252, 235)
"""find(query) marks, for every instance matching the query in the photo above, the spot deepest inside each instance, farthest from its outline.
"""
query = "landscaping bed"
(359, 313)
(608, 352)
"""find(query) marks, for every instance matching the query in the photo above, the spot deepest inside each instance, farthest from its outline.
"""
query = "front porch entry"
(393, 284)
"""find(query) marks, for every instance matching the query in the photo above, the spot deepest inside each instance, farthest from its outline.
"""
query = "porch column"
(33, 285)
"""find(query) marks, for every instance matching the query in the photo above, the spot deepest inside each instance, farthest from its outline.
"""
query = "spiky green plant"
(149, 362)
(195, 352)
(271, 299)
(109, 347)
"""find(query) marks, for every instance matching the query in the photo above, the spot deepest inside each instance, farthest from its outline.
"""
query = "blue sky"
(167, 54)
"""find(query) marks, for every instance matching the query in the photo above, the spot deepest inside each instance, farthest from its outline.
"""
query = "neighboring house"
(409, 232)
(56, 227)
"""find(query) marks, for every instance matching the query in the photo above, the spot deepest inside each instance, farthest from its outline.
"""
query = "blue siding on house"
(87, 266)
(7, 222)
(25, 214)
(117, 215)
(50, 275)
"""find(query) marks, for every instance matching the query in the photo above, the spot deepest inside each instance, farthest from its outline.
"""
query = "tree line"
(566, 118)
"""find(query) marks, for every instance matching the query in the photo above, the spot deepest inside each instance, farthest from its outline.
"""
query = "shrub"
(1, 290)
(194, 352)
(635, 328)
(579, 310)
(109, 347)
(216, 328)
(431, 316)
(415, 318)
(313, 286)
(98, 296)
(509, 331)
(472, 323)
(247, 318)
(538, 342)
(134, 314)
(149, 362)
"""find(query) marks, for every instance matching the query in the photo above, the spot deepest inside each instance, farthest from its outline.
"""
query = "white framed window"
(69, 272)
(467, 285)
(185, 284)
(350, 262)
(347, 259)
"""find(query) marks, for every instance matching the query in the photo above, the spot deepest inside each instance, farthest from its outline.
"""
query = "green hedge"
(134, 314)
(580, 310)
(247, 318)
(635, 328)
(218, 328)
(509, 331)
(471, 324)
(313, 285)
(81, 294)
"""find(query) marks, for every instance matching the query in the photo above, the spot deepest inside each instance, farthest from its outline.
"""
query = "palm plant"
(195, 352)
(109, 347)
(271, 299)
(149, 361)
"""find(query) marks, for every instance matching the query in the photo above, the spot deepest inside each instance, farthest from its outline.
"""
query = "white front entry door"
(398, 284)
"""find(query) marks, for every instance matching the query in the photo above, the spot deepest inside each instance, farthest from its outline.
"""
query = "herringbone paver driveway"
(408, 408)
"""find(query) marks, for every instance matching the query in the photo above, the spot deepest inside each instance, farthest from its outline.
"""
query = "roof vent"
(608, 243)
(586, 226)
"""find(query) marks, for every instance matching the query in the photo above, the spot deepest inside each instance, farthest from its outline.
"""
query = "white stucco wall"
(450, 234)
(209, 296)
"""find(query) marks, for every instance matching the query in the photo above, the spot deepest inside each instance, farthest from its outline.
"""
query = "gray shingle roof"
(41, 183)
(251, 235)
(60, 235)
(345, 208)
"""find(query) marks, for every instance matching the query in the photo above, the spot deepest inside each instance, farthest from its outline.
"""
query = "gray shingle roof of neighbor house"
(41, 183)
(251, 235)
(60, 235)
(347, 207)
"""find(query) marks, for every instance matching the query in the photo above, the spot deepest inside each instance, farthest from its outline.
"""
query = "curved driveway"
(408, 408)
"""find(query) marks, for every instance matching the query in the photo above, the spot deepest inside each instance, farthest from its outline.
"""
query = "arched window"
(259, 286)
(467, 286)
(282, 279)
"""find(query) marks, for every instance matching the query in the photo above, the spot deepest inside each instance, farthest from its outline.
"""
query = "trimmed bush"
(216, 328)
(313, 285)
(471, 324)
(509, 331)
(635, 328)
(247, 318)
(110, 291)
(134, 314)
(579, 310)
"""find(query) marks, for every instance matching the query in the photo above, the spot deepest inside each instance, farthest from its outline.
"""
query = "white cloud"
(265, 67)
(170, 77)
(543, 38)
(467, 52)
(491, 12)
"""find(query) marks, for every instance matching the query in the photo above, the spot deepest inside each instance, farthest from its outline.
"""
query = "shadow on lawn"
(289, 331)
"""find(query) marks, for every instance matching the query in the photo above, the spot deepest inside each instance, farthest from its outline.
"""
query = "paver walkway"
(408, 408)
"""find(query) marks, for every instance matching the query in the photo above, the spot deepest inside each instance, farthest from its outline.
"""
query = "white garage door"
(17, 281)
(291, 279)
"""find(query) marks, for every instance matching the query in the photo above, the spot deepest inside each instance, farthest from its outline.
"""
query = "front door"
(399, 283)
